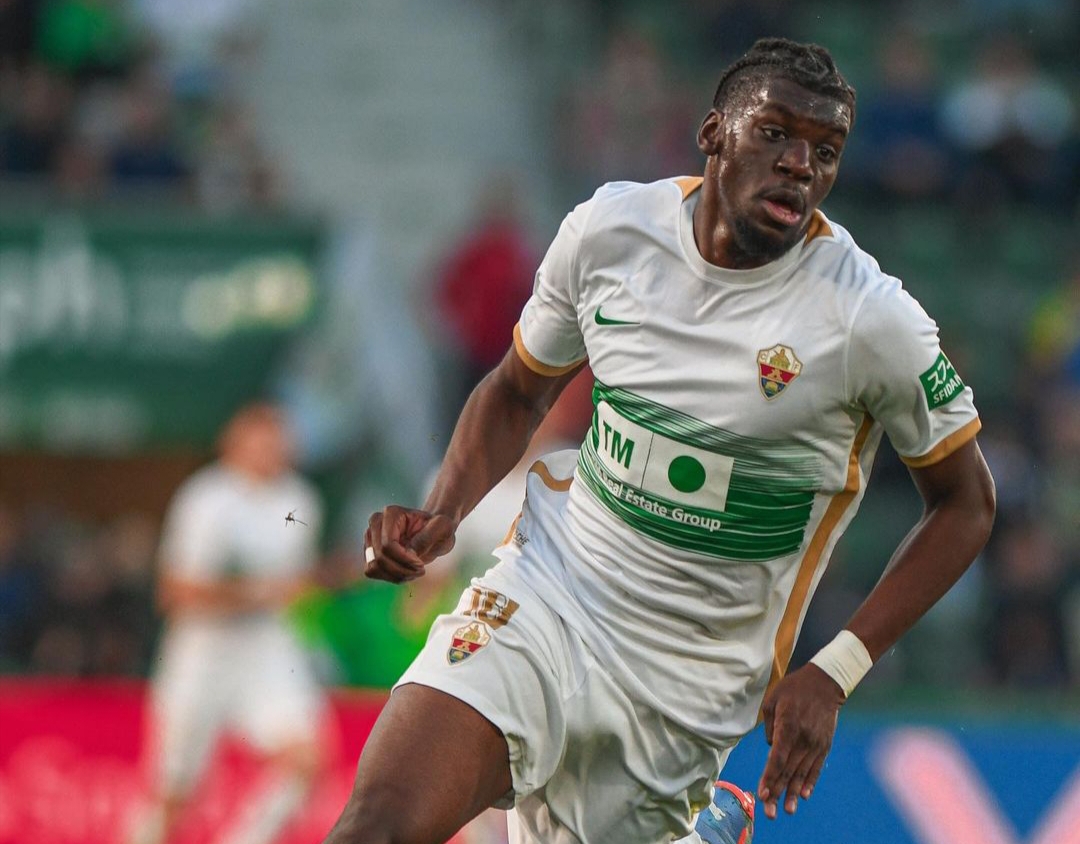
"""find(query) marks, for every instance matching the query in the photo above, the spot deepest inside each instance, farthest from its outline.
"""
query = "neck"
(714, 230)
(252, 474)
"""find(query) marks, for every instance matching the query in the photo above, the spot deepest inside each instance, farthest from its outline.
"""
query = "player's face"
(774, 156)
(260, 446)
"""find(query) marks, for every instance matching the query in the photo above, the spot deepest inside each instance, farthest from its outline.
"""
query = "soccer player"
(748, 357)
(240, 542)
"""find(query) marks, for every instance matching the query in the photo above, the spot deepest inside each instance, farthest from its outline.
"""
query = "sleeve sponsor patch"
(941, 382)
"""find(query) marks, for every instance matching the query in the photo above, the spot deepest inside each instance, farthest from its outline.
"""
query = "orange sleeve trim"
(550, 481)
(510, 532)
(946, 447)
(538, 366)
(784, 644)
(819, 227)
(689, 184)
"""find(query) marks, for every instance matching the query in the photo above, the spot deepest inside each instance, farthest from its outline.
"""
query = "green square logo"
(941, 383)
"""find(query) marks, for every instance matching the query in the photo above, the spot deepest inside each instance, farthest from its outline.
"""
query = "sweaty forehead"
(774, 93)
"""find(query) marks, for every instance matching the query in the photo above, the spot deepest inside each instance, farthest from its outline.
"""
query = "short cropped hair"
(808, 65)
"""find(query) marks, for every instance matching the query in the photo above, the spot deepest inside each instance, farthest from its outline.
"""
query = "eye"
(773, 133)
(826, 153)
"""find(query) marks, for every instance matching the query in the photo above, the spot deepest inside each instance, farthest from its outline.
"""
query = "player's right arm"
(490, 437)
(498, 419)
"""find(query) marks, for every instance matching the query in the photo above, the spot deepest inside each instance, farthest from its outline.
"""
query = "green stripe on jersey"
(694, 486)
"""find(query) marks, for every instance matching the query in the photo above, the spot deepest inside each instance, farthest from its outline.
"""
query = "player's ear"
(710, 133)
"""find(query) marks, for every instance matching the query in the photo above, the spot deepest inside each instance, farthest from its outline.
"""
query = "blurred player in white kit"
(239, 543)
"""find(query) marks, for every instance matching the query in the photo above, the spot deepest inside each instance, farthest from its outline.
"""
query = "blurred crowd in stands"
(967, 112)
(101, 100)
(76, 598)
(971, 107)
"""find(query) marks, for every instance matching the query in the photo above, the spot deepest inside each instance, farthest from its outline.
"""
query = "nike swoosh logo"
(603, 320)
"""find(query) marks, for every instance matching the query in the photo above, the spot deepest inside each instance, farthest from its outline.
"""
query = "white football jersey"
(737, 413)
(221, 525)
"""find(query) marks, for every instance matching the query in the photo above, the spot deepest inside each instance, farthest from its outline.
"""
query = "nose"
(794, 161)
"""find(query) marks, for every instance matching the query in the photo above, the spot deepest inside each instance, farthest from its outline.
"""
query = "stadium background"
(340, 205)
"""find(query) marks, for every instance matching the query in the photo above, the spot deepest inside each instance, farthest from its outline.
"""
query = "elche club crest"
(466, 641)
(777, 368)
(491, 610)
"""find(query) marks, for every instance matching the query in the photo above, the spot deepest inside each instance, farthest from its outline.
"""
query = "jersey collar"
(711, 272)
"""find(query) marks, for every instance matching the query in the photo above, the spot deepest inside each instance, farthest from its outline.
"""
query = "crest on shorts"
(466, 641)
(777, 367)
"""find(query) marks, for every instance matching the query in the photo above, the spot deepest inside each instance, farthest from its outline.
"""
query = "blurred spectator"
(147, 151)
(129, 544)
(101, 592)
(18, 23)
(76, 617)
(193, 33)
(1054, 337)
(1048, 12)
(22, 593)
(898, 149)
(88, 110)
(1013, 465)
(83, 38)
(1017, 125)
(1060, 432)
(482, 285)
(28, 145)
(233, 173)
(1054, 331)
(629, 121)
(1028, 574)
(80, 173)
(724, 29)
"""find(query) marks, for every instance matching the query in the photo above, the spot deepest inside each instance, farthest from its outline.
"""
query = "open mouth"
(784, 208)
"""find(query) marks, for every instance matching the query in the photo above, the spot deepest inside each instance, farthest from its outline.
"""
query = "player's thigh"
(430, 765)
(627, 773)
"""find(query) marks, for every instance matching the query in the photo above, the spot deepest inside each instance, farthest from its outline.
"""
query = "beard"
(759, 245)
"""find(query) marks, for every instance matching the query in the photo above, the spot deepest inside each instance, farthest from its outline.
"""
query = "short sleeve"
(898, 374)
(193, 543)
(548, 337)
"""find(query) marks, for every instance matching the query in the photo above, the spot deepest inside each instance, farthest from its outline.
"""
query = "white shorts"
(589, 764)
(252, 680)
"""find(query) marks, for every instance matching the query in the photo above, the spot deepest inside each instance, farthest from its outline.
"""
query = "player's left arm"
(801, 712)
(959, 503)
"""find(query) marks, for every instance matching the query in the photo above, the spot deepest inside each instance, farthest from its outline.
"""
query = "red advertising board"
(72, 766)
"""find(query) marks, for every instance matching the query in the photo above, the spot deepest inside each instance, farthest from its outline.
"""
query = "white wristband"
(845, 659)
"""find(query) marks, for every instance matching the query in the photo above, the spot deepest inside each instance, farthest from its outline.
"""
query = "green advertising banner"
(123, 332)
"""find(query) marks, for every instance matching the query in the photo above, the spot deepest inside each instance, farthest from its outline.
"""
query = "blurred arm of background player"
(800, 713)
(256, 447)
(490, 437)
(244, 594)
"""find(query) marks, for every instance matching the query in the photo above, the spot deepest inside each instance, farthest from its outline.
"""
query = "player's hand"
(400, 542)
(800, 716)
